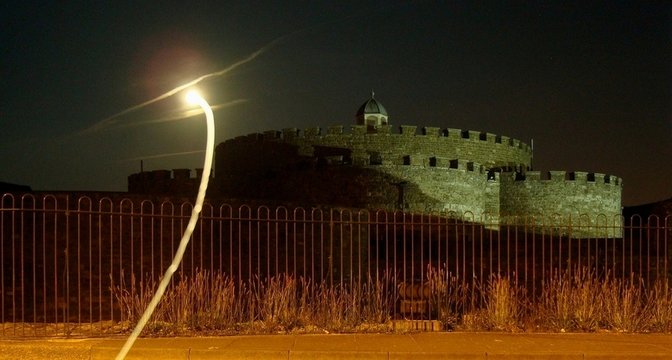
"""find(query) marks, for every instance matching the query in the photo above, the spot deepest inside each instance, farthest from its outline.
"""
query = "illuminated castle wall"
(419, 170)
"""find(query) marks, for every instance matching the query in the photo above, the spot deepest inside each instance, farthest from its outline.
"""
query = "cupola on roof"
(372, 113)
(372, 106)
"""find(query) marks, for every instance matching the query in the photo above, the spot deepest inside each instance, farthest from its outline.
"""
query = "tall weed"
(626, 306)
(503, 309)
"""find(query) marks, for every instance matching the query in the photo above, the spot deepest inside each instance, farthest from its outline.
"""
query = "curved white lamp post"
(193, 98)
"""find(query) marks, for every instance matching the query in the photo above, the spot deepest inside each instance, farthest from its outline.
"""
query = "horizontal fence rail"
(70, 264)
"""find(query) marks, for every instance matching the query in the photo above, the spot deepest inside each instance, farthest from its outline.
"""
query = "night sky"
(590, 83)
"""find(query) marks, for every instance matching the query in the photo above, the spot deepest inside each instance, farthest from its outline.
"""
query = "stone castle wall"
(437, 170)
(383, 146)
(579, 198)
(177, 181)
(258, 169)
(391, 171)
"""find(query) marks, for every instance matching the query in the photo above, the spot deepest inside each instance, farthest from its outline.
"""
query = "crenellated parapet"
(578, 195)
(404, 130)
(179, 181)
(490, 150)
(564, 177)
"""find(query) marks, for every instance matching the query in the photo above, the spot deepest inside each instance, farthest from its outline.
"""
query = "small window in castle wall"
(407, 160)
(432, 161)
(375, 159)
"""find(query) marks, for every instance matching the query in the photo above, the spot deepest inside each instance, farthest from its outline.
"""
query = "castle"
(445, 171)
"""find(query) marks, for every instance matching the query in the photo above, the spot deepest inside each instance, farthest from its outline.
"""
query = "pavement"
(452, 345)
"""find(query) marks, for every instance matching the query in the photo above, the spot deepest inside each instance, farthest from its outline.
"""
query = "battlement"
(164, 181)
(428, 162)
(293, 134)
(411, 145)
(576, 177)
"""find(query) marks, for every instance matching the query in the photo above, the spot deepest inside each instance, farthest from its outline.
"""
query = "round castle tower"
(483, 177)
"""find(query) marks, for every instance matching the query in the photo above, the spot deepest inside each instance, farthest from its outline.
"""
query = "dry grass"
(216, 304)
(660, 300)
(570, 302)
(626, 307)
(579, 300)
(503, 305)
(448, 296)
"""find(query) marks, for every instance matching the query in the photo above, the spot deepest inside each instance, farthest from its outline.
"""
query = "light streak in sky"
(159, 156)
(178, 115)
(193, 98)
(112, 120)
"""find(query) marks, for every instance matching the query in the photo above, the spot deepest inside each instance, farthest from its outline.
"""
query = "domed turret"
(372, 113)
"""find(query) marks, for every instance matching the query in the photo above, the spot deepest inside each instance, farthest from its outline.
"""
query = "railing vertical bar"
(14, 275)
(534, 262)
(507, 257)
(141, 253)
(481, 239)
(44, 264)
(666, 232)
(648, 249)
(90, 268)
(394, 259)
(473, 264)
(491, 254)
(201, 227)
(111, 289)
(330, 253)
(2, 257)
(268, 244)
(34, 263)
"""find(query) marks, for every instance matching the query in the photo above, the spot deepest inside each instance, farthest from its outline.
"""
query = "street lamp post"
(193, 98)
